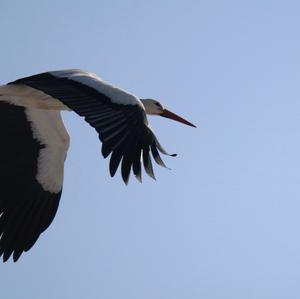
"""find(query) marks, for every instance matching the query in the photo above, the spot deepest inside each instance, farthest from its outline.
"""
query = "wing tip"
(139, 178)
(126, 180)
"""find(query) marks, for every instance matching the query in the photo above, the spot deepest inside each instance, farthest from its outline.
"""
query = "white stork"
(35, 143)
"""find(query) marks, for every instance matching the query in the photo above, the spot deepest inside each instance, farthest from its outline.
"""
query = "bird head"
(153, 107)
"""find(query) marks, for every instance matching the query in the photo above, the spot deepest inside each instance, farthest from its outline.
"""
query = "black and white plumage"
(35, 143)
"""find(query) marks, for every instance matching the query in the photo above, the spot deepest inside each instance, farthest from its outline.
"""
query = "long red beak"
(168, 114)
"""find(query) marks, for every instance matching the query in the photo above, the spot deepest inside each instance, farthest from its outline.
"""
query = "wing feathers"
(127, 160)
(136, 165)
(118, 117)
(115, 161)
(147, 162)
(156, 156)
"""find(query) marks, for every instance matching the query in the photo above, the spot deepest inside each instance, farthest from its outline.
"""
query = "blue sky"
(224, 222)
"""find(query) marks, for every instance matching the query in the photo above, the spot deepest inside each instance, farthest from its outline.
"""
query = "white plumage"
(49, 130)
(116, 94)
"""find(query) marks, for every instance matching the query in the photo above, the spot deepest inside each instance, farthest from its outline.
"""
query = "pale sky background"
(224, 222)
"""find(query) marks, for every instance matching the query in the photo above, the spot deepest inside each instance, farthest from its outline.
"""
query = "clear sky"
(224, 222)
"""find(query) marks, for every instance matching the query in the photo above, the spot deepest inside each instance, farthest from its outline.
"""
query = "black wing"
(123, 129)
(26, 209)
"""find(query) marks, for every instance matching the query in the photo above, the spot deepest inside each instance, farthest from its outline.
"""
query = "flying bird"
(34, 144)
